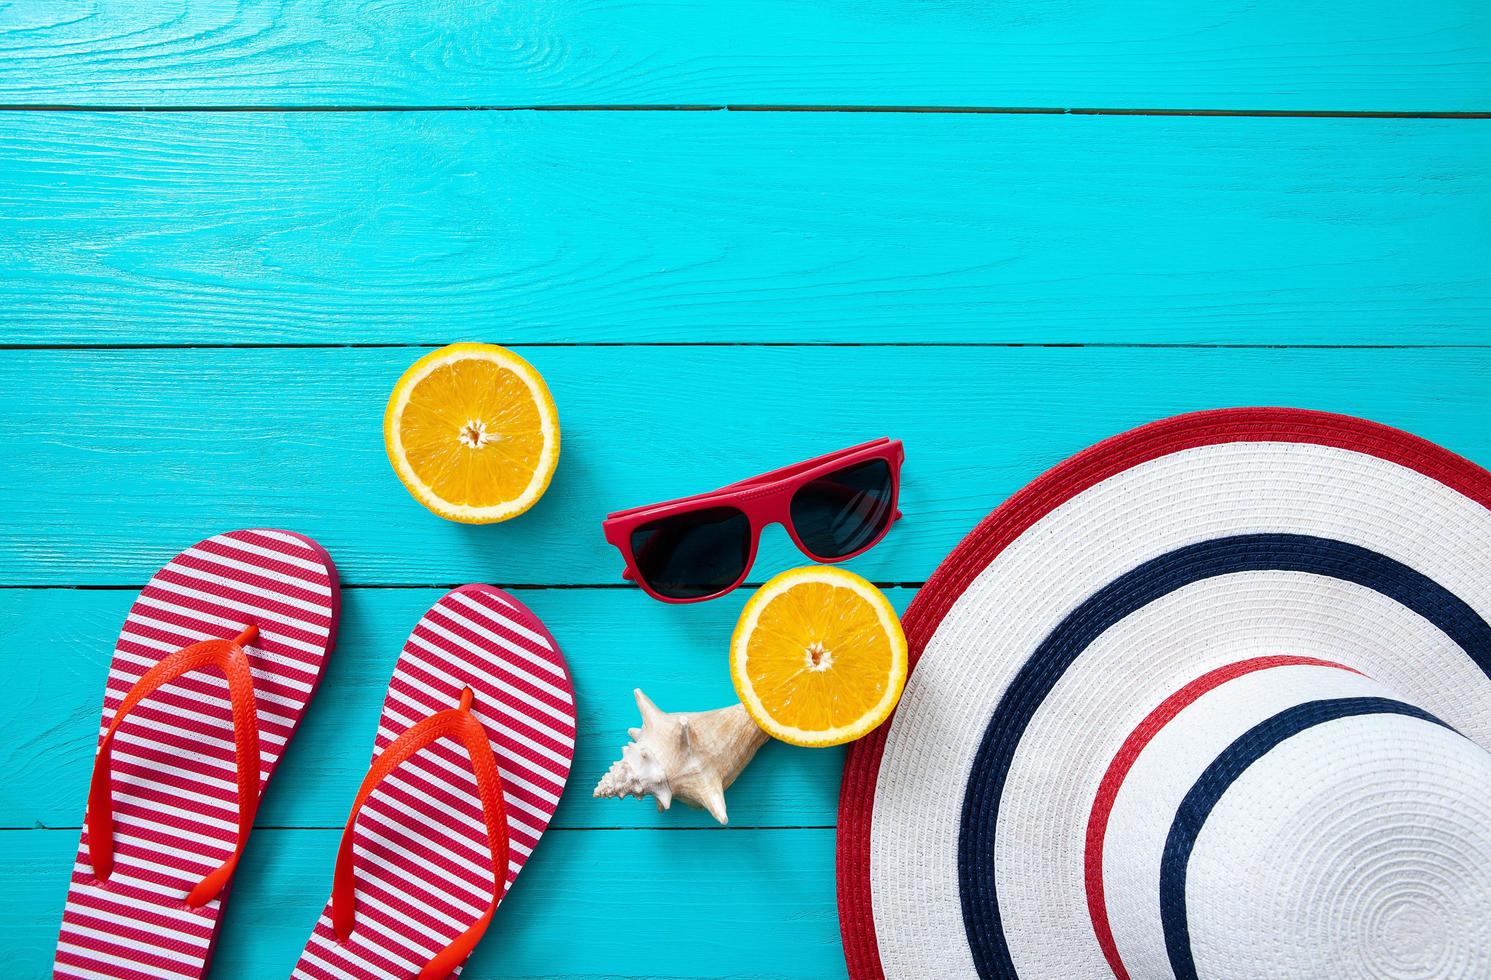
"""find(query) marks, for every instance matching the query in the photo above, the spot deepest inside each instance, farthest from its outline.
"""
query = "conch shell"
(692, 756)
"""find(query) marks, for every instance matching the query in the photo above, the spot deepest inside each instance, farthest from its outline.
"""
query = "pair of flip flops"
(217, 661)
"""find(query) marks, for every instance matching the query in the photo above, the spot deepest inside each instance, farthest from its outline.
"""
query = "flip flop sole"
(422, 863)
(174, 791)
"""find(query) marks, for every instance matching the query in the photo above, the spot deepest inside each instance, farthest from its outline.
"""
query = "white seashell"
(691, 755)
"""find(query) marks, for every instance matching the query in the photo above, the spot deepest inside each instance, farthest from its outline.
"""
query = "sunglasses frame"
(764, 500)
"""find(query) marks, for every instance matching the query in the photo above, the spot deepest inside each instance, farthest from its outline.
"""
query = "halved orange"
(472, 432)
(818, 656)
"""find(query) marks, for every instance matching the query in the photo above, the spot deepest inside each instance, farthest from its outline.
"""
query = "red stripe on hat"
(1033, 502)
(1123, 762)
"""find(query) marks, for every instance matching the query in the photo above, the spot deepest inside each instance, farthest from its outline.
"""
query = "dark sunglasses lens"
(841, 512)
(692, 555)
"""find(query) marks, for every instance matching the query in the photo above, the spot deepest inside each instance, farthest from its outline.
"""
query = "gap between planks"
(422, 345)
(788, 107)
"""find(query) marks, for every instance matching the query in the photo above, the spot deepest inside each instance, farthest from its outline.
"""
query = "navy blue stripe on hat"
(982, 921)
(1203, 797)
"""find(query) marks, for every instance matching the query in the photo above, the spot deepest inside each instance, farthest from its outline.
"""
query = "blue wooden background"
(730, 235)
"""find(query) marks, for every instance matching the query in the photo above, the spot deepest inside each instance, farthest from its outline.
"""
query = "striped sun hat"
(1209, 699)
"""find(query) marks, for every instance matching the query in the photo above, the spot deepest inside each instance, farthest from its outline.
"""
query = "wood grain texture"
(116, 459)
(188, 230)
(753, 905)
(768, 227)
(1229, 54)
(57, 643)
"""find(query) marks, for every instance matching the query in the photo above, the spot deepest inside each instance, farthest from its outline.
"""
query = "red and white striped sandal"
(218, 659)
(473, 751)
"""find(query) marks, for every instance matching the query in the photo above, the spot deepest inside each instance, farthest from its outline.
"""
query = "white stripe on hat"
(1363, 845)
(1136, 665)
(1167, 769)
(1147, 510)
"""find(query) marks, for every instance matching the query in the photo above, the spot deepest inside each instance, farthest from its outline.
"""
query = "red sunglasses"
(701, 547)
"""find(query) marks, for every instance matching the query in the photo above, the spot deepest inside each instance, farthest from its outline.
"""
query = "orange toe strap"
(228, 657)
(457, 723)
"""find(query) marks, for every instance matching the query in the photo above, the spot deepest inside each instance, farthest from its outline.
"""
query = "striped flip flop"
(473, 751)
(218, 659)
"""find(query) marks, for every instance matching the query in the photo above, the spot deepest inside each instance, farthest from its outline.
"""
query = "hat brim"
(1152, 555)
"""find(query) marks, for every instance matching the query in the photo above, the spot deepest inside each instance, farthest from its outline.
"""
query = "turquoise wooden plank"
(57, 643)
(116, 459)
(723, 227)
(753, 905)
(1231, 54)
